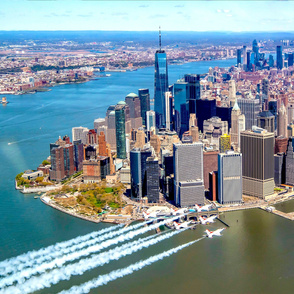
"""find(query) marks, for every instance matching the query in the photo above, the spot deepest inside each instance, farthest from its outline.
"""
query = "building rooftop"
(132, 95)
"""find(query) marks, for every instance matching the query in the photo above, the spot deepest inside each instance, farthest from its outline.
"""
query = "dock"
(289, 216)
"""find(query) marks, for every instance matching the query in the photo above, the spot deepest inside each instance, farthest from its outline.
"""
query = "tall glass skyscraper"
(120, 121)
(279, 57)
(160, 85)
(144, 97)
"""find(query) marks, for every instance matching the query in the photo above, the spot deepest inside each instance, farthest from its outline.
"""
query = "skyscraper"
(224, 143)
(188, 174)
(273, 108)
(290, 59)
(266, 120)
(160, 84)
(229, 177)
(150, 119)
(244, 56)
(168, 110)
(180, 98)
(239, 54)
(206, 108)
(194, 92)
(138, 158)
(120, 124)
(255, 49)
(78, 154)
(282, 124)
(257, 148)
(144, 97)
(80, 133)
(232, 92)
(134, 104)
(250, 109)
(279, 57)
(152, 180)
(290, 163)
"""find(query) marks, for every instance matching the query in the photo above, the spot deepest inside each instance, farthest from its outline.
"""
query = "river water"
(254, 255)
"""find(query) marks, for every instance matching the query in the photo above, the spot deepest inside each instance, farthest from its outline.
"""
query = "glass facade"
(279, 57)
(120, 132)
(160, 87)
(144, 97)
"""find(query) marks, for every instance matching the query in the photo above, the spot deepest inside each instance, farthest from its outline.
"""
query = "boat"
(36, 197)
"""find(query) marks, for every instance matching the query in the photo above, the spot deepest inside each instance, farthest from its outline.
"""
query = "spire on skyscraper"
(159, 38)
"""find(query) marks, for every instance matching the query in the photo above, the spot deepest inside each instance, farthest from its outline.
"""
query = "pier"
(289, 215)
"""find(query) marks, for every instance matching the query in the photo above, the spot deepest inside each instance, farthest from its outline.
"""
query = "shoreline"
(47, 88)
(260, 205)
(96, 220)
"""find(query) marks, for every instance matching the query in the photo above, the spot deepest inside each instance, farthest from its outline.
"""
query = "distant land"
(144, 37)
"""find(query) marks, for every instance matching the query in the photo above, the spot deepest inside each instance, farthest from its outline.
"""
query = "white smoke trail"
(59, 262)
(24, 260)
(116, 274)
(15, 261)
(54, 251)
(48, 279)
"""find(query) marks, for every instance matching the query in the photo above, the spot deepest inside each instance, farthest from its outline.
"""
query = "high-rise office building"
(224, 113)
(92, 137)
(160, 84)
(140, 139)
(120, 126)
(250, 108)
(224, 143)
(244, 56)
(102, 144)
(80, 133)
(194, 91)
(255, 49)
(266, 120)
(152, 180)
(271, 61)
(273, 108)
(150, 119)
(280, 165)
(206, 108)
(168, 110)
(279, 57)
(238, 125)
(215, 123)
(138, 158)
(62, 160)
(232, 92)
(144, 97)
(180, 98)
(257, 148)
(188, 174)
(249, 64)
(78, 154)
(282, 123)
(290, 59)
(229, 177)
(110, 123)
(265, 90)
(290, 163)
(133, 101)
(239, 54)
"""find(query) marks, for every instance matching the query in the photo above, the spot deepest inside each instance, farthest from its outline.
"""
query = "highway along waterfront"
(254, 255)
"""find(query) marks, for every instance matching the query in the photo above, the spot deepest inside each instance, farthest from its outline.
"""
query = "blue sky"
(147, 15)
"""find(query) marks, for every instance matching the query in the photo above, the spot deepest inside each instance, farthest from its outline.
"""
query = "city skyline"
(235, 16)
